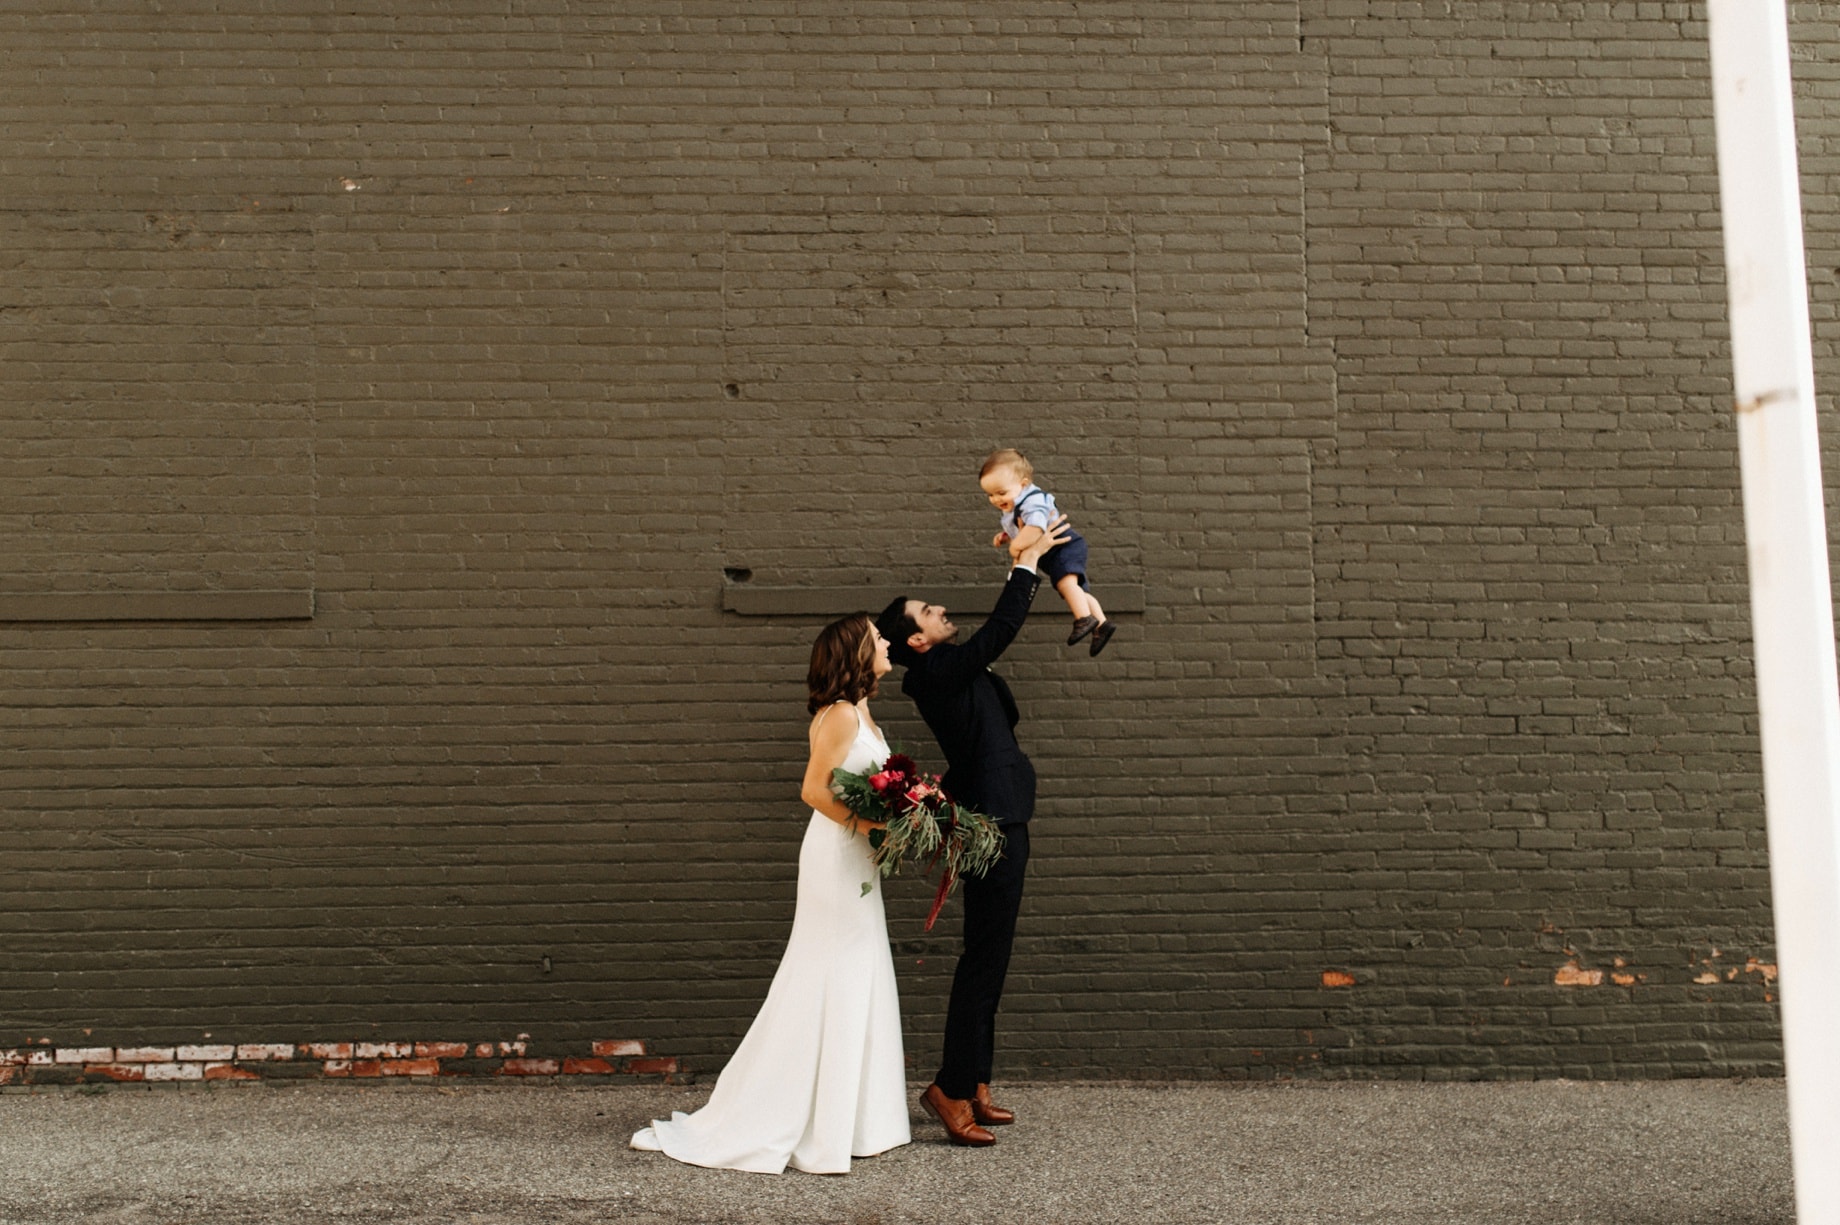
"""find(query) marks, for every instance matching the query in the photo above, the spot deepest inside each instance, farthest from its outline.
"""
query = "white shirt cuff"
(1024, 566)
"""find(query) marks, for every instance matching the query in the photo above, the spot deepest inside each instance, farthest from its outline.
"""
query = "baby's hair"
(1009, 458)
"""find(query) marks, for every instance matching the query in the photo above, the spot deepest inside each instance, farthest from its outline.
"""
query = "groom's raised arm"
(951, 669)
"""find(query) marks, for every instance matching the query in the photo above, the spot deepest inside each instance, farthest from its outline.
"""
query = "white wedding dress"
(820, 1076)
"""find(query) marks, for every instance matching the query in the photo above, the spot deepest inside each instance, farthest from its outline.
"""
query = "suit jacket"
(972, 713)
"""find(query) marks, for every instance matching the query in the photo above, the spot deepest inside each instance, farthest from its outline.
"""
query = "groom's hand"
(1058, 532)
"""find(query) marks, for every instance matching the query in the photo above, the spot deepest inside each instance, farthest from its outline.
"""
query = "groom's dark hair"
(897, 627)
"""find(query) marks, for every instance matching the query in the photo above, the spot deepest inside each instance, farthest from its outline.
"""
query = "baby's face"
(1002, 486)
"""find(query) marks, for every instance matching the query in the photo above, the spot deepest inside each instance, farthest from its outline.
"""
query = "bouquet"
(923, 823)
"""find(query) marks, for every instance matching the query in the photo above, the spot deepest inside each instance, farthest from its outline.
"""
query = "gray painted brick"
(1380, 347)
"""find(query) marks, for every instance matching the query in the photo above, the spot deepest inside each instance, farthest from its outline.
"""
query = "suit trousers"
(991, 905)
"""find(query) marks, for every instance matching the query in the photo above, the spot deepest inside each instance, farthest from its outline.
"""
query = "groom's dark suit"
(973, 716)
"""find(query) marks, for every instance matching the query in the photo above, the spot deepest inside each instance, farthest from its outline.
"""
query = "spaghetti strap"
(833, 706)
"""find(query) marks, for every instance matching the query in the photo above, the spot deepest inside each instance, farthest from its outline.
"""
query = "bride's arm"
(831, 739)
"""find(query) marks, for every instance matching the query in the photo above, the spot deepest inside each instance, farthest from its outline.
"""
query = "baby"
(1007, 479)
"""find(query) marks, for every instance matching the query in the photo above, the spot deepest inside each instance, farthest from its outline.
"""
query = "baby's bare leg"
(1078, 602)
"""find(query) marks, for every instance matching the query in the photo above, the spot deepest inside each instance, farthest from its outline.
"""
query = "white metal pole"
(1786, 541)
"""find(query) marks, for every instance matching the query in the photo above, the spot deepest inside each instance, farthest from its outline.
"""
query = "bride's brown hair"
(842, 663)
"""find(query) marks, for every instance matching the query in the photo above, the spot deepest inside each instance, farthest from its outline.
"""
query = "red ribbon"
(939, 899)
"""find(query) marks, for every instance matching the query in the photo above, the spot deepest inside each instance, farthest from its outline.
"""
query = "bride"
(820, 1077)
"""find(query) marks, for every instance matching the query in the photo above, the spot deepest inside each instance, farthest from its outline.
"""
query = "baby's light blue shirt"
(1037, 509)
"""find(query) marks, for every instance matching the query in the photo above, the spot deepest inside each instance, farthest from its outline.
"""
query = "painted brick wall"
(1378, 346)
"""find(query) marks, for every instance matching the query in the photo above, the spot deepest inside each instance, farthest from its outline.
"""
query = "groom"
(973, 717)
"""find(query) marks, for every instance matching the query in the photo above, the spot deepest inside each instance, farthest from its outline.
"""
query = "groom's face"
(935, 626)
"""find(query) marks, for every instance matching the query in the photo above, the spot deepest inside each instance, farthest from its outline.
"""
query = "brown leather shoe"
(988, 1112)
(955, 1115)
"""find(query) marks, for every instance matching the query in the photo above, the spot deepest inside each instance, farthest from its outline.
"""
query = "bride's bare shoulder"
(836, 723)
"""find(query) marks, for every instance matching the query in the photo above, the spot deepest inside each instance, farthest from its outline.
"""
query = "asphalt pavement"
(272, 1153)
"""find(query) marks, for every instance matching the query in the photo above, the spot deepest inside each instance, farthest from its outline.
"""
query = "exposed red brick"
(339, 1060)
(85, 1054)
(1569, 975)
(440, 1050)
(257, 1052)
(206, 1054)
(1337, 978)
(229, 1071)
(144, 1054)
(385, 1050)
(118, 1071)
(173, 1071)
(530, 1067)
(412, 1067)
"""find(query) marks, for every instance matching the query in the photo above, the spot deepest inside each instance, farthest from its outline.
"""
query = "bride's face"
(881, 664)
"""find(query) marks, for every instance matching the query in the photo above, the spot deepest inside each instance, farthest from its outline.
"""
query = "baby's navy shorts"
(1065, 559)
